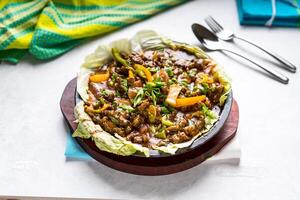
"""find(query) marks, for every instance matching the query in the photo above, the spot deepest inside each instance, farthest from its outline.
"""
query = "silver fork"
(211, 42)
(228, 35)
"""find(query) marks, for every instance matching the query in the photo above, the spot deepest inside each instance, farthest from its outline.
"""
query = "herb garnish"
(124, 85)
(204, 89)
(117, 93)
(192, 72)
(184, 83)
(169, 71)
(153, 69)
(138, 98)
(152, 90)
(127, 107)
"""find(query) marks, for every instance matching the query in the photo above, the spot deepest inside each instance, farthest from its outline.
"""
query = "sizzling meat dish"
(153, 98)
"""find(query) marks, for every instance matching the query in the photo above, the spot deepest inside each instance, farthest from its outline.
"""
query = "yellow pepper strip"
(151, 113)
(210, 80)
(104, 107)
(173, 94)
(130, 74)
(206, 79)
(144, 70)
(98, 78)
(188, 101)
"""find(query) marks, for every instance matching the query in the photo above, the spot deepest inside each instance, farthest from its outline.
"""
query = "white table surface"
(33, 133)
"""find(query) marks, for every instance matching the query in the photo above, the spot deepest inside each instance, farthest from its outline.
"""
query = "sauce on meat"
(135, 108)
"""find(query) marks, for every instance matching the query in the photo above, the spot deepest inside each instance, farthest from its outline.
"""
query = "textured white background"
(33, 134)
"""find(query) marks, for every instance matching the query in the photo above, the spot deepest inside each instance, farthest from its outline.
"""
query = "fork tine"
(211, 25)
(217, 24)
(217, 27)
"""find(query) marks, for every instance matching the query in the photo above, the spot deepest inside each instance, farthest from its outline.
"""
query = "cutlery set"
(210, 40)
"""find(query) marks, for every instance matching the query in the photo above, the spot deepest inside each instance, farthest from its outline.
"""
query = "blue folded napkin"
(259, 12)
(74, 151)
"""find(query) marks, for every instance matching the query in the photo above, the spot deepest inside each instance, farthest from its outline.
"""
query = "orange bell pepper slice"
(188, 101)
(180, 102)
(144, 70)
(98, 78)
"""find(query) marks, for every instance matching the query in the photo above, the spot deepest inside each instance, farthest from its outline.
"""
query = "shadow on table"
(152, 186)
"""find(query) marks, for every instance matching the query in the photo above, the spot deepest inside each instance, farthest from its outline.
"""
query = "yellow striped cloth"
(49, 28)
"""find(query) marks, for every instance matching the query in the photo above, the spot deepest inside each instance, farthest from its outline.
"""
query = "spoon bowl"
(210, 41)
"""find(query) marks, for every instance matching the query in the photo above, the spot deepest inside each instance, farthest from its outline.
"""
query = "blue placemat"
(74, 151)
(258, 12)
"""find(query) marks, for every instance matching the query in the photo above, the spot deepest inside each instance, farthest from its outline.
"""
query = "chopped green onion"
(117, 93)
(196, 88)
(170, 109)
(169, 71)
(124, 85)
(152, 90)
(153, 97)
(207, 112)
(114, 77)
(126, 107)
(172, 81)
(114, 120)
(138, 98)
(192, 72)
(153, 69)
(161, 134)
(166, 122)
(157, 79)
(164, 110)
(150, 84)
(204, 88)
(105, 92)
(159, 84)
(184, 83)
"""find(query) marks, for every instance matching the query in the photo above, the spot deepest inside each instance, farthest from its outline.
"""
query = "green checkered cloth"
(49, 28)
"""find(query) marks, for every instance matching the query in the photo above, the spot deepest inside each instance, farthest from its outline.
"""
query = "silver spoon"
(211, 42)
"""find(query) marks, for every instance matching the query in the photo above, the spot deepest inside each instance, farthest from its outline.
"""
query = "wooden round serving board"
(153, 165)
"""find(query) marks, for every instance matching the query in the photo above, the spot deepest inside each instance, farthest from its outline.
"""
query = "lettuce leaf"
(226, 82)
(104, 141)
(83, 82)
(98, 58)
(81, 132)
